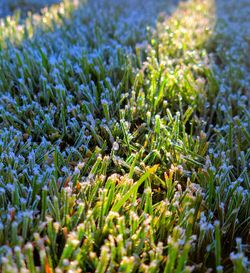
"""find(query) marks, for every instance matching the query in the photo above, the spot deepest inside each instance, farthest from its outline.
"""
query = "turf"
(124, 139)
(23, 6)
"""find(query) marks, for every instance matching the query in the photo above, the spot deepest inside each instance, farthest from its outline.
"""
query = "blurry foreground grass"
(122, 149)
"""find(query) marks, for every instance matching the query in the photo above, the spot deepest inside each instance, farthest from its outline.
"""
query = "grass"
(122, 148)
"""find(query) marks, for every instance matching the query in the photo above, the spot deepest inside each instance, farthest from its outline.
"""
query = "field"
(125, 136)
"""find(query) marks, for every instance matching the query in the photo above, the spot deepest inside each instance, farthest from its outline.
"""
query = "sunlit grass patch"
(14, 29)
(26, 5)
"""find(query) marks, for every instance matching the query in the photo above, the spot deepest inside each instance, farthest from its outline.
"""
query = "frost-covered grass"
(8, 7)
(124, 148)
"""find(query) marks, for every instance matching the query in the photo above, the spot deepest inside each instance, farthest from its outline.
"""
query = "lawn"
(125, 136)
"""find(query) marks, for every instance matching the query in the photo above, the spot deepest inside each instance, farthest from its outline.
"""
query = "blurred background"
(7, 7)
